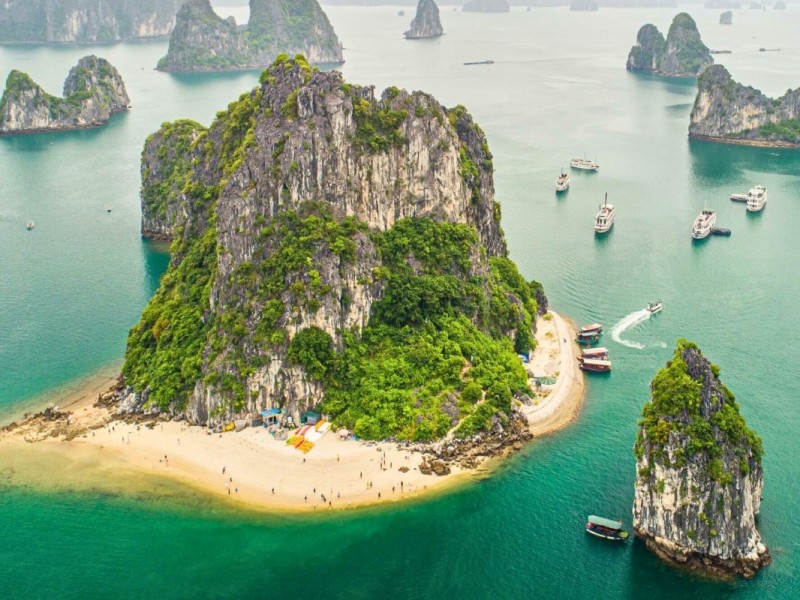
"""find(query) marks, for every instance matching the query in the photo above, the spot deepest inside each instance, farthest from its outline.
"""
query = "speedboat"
(605, 217)
(30, 225)
(654, 307)
(606, 529)
(562, 183)
(756, 198)
(703, 224)
(584, 164)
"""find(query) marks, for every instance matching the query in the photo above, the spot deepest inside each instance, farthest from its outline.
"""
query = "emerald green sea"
(71, 288)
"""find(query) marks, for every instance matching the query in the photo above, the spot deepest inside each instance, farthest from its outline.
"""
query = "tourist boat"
(562, 183)
(703, 224)
(480, 62)
(606, 529)
(594, 354)
(30, 225)
(756, 198)
(740, 197)
(587, 337)
(605, 218)
(584, 164)
(595, 365)
(593, 328)
(654, 307)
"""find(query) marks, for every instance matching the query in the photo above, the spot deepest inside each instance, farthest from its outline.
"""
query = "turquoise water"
(72, 287)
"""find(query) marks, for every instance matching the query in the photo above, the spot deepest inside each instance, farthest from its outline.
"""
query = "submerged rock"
(93, 91)
(85, 21)
(486, 6)
(682, 54)
(203, 41)
(727, 111)
(699, 475)
(426, 23)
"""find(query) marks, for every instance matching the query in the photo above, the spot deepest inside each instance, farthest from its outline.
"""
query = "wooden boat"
(595, 365)
(593, 328)
(587, 338)
(606, 529)
(594, 354)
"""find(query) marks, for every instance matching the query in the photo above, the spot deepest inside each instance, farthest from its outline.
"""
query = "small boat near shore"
(721, 231)
(593, 328)
(606, 529)
(654, 307)
(740, 197)
(587, 338)
(604, 220)
(593, 354)
(584, 164)
(479, 62)
(756, 198)
(703, 224)
(594, 365)
(562, 183)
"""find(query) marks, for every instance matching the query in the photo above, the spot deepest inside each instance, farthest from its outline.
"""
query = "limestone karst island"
(393, 298)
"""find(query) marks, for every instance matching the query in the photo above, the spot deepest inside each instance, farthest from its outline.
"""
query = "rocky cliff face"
(85, 21)
(699, 475)
(93, 91)
(486, 6)
(426, 23)
(202, 41)
(682, 54)
(727, 111)
(309, 214)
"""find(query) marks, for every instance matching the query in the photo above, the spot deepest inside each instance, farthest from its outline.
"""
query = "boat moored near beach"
(588, 337)
(756, 198)
(703, 224)
(595, 365)
(606, 529)
(562, 183)
(593, 354)
(593, 328)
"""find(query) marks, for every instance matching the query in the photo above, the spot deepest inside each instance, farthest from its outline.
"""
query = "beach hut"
(270, 416)
(310, 418)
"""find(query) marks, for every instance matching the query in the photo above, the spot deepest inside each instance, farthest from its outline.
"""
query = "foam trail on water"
(632, 320)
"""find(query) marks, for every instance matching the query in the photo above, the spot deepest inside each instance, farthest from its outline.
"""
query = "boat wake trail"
(626, 323)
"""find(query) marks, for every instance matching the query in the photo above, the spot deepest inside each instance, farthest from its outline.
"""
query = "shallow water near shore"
(73, 286)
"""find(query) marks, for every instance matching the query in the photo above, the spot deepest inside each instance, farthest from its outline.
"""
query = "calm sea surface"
(71, 288)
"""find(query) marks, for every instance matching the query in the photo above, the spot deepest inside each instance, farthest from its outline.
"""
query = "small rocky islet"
(85, 21)
(93, 92)
(681, 54)
(203, 41)
(426, 23)
(699, 473)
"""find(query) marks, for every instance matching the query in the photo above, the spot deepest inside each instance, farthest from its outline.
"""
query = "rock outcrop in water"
(203, 41)
(93, 91)
(85, 21)
(426, 23)
(727, 111)
(682, 54)
(331, 250)
(726, 18)
(699, 475)
(487, 6)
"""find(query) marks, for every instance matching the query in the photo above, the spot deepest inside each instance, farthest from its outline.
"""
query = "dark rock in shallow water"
(93, 91)
(203, 41)
(426, 23)
(699, 475)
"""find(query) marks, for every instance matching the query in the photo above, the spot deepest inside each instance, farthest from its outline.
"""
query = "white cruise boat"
(584, 164)
(605, 217)
(562, 183)
(703, 224)
(756, 198)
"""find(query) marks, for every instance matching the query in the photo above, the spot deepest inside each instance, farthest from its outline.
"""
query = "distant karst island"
(203, 41)
(93, 91)
(682, 54)
(487, 6)
(727, 111)
(426, 23)
(726, 18)
(699, 476)
(85, 21)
